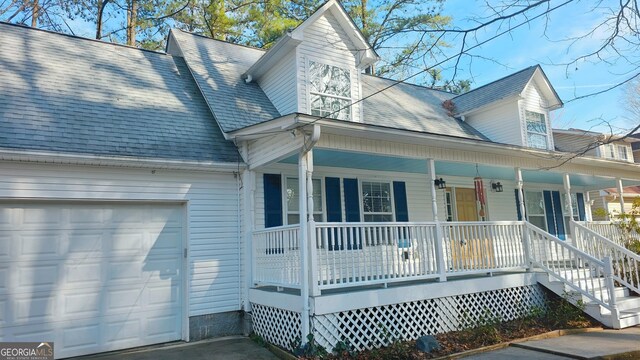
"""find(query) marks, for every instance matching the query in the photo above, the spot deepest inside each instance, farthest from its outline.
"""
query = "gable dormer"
(316, 68)
(512, 110)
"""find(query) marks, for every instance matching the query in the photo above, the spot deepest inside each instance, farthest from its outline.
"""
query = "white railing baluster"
(624, 261)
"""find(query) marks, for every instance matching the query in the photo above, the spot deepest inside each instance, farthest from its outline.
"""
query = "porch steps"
(628, 305)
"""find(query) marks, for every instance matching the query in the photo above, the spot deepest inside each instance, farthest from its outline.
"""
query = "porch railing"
(580, 271)
(626, 264)
(483, 246)
(359, 254)
(368, 253)
(611, 231)
(276, 256)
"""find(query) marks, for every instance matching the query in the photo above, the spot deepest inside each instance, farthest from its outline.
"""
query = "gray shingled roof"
(503, 88)
(66, 94)
(411, 107)
(217, 66)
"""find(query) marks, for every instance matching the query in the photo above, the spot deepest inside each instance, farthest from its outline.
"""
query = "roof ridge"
(28, 28)
(218, 40)
(500, 79)
(408, 83)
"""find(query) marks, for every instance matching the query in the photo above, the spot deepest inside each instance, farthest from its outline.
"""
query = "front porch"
(359, 238)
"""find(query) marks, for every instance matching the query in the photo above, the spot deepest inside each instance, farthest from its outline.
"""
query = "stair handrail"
(625, 263)
(580, 258)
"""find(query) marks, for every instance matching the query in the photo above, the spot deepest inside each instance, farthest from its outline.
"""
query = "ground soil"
(459, 341)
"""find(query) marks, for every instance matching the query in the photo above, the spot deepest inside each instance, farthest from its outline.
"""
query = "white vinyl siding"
(500, 206)
(279, 84)
(499, 123)
(211, 201)
(326, 42)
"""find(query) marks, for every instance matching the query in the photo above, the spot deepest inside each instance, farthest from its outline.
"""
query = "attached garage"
(91, 276)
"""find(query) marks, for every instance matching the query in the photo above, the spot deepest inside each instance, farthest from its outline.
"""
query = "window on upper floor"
(623, 153)
(330, 91)
(537, 135)
(610, 151)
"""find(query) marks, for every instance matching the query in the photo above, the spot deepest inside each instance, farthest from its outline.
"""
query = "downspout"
(304, 174)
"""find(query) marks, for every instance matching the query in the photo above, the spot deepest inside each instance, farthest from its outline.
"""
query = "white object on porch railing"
(626, 264)
(611, 231)
(582, 272)
(481, 247)
(352, 254)
(276, 254)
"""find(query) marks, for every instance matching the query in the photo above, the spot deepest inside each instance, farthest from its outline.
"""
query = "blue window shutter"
(351, 200)
(559, 216)
(400, 201)
(518, 206)
(581, 213)
(334, 207)
(272, 200)
(548, 208)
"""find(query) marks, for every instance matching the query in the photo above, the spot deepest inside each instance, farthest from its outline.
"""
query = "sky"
(528, 46)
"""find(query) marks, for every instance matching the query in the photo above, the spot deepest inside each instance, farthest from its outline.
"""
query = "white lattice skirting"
(373, 327)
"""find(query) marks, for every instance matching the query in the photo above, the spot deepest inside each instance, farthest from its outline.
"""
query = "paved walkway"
(232, 348)
(590, 345)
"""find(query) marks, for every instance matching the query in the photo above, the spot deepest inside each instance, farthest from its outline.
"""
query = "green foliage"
(343, 348)
(483, 330)
(309, 350)
(562, 314)
(258, 339)
(628, 224)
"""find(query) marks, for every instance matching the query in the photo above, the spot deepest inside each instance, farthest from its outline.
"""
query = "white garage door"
(90, 277)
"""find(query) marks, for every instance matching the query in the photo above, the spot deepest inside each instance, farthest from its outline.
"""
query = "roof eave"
(281, 48)
(50, 157)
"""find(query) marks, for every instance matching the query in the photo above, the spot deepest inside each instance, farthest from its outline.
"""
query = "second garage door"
(91, 277)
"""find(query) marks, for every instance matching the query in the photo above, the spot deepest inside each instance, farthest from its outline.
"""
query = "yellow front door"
(466, 204)
(471, 247)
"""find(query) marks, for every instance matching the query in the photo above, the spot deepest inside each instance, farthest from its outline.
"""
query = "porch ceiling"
(365, 161)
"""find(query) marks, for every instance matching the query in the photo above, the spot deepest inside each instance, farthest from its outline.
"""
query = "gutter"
(116, 161)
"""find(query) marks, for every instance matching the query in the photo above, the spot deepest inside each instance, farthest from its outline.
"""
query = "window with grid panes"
(377, 204)
(330, 91)
(537, 135)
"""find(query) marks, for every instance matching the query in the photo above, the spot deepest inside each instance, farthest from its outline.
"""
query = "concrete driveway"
(230, 348)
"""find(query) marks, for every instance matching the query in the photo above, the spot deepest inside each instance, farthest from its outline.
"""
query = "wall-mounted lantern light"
(496, 186)
(441, 184)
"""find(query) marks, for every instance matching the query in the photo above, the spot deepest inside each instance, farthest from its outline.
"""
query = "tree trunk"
(35, 14)
(131, 22)
(101, 4)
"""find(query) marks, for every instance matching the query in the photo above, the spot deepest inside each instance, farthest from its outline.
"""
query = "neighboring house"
(583, 142)
(148, 197)
(636, 147)
(609, 201)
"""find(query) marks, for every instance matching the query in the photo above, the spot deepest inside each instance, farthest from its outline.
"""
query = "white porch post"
(249, 190)
(525, 233)
(587, 207)
(620, 193)
(304, 249)
(439, 234)
(313, 258)
(566, 180)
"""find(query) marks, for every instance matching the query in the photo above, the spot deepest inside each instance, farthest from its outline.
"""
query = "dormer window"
(330, 91)
(537, 135)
